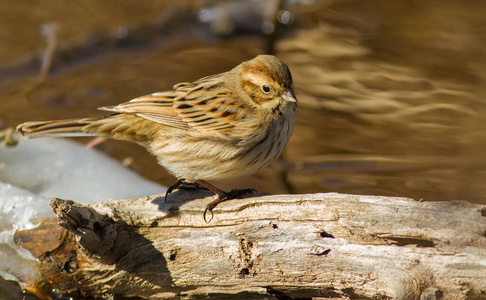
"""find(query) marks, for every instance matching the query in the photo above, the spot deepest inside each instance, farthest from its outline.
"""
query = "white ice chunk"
(64, 169)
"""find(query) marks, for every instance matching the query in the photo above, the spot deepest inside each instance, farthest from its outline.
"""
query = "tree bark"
(265, 247)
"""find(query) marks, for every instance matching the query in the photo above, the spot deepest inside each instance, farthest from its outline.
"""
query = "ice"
(37, 170)
(64, 169)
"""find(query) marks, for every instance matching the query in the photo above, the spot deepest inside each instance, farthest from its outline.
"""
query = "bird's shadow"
(178, 197)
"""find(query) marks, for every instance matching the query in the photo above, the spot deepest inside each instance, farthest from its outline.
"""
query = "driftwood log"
(264, 247)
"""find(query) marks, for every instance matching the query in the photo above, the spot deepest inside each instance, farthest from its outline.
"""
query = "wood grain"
(275, 246)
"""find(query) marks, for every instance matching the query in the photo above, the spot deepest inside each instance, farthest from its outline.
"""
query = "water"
(390, 94)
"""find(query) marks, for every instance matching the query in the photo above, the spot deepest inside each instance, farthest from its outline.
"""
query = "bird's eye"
(265, 89)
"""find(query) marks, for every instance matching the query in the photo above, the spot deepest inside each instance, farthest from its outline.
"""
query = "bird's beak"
(289, 96)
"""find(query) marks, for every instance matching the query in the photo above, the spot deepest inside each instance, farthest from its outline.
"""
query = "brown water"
(391, 93)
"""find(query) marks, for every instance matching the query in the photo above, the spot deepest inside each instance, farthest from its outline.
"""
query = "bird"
(221, 126)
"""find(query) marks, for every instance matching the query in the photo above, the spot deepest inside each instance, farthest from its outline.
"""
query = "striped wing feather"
(157, 107)
(206, 104)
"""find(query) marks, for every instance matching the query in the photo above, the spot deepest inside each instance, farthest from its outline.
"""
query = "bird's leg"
(178, 183)
(220, 196)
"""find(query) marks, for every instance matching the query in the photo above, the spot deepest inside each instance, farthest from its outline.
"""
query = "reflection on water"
(401, 104)
(391, 94)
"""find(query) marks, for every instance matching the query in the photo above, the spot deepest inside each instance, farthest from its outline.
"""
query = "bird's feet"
(220, 194)
(182, 184)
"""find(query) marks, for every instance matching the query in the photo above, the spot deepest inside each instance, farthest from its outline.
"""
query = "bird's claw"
(178, 183)
(209, 208)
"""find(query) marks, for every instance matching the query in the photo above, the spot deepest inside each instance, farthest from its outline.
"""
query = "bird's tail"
(59, 128)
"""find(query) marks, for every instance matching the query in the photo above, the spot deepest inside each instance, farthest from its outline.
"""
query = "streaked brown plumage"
(220, 126)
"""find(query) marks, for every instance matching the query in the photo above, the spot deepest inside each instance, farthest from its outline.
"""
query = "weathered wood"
(272, 247)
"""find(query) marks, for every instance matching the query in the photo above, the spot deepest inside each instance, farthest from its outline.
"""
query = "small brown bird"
(221, 126)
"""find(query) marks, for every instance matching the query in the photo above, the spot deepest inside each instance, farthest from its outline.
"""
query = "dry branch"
(269, 247)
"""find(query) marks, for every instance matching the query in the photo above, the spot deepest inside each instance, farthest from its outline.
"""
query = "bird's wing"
(210, 105)
(156, 107)
(207, 104)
